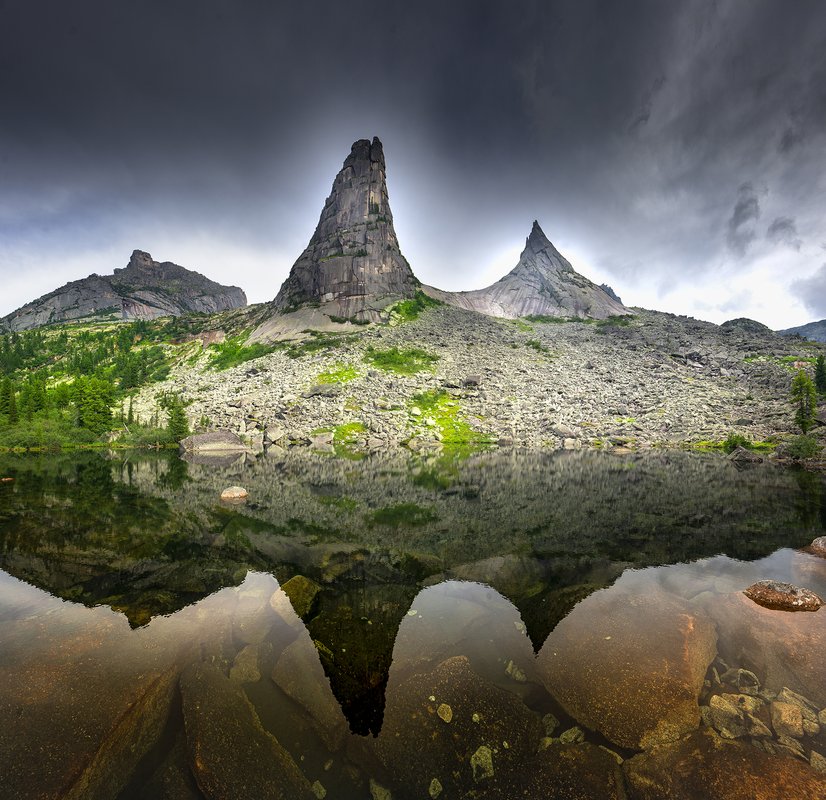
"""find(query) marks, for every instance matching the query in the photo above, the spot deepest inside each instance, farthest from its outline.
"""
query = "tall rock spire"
(543, 282)
(353, 265)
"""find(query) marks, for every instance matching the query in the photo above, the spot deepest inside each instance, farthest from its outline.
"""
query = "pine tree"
(178, 425)
(11, 408)
(130, 417)
(820, 374)
(804, 399)
(5, 391)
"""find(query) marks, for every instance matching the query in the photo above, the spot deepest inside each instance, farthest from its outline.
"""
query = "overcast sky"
(676, 150)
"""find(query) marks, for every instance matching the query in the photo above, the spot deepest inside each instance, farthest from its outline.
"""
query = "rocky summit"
(353, 266)
(144, 289)
(543, 283)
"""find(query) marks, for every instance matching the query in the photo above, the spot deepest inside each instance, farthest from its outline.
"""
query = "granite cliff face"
(353, 264)
(542, 283)
(144, 289)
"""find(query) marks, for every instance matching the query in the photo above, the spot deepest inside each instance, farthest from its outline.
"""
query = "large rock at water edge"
(630, 663)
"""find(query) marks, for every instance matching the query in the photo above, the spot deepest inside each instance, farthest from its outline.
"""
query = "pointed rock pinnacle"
(353, 265)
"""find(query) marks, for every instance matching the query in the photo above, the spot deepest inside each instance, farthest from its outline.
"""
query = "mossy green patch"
(233, 352)
(402, 515)
(731, 443)
(535, 344)
(338, 373)
(341, 502)
(344, 439)
(408, 310)
(406, 361)
(456, 433)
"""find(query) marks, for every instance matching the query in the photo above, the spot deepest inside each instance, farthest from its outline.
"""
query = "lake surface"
(512, 625)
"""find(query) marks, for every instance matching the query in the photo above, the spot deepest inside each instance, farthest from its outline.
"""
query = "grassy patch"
(545, 319)
(403, 362)
(317, 342)
(338, 373)
(233, 352)
(408, 310)
(402, 515)
(522, 325)
(347, 504)
(345, 437)
(535, 344)
(731, 443)
(456, 434)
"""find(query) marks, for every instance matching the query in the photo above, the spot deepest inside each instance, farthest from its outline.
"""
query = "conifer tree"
(804, 399)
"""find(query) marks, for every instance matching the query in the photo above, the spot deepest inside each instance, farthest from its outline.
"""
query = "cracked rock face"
(144, 289)
(352, 264)
(542, 283)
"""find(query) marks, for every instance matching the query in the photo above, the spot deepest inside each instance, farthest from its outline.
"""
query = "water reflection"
(514, 641)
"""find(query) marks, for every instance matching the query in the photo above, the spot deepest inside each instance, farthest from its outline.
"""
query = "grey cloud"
(740, 229)
(783, 230)
(811, 292)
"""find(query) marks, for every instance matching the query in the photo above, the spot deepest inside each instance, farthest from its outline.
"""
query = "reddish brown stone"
(704, 765)
(783, 596)
(629, 661)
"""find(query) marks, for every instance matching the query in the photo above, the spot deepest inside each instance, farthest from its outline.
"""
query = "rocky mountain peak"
(353, 265)
(140, 260)
(540, 254)
(542, 283)
(143, 289)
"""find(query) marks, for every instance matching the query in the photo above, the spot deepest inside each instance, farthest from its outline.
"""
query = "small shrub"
(537, 345)
(801, 447)
(734, 441)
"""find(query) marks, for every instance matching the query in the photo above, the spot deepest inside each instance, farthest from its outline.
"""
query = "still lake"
(511, 625)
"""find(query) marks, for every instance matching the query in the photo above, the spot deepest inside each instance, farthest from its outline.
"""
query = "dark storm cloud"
(784, 231)
(214, 128)
(812, 292)
(741, 230)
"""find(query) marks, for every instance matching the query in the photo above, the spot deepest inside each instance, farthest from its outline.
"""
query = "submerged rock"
(303, 594)
(415, 744)
(783, 596)
(630, 665)
(742, 456)
(231, 755)
(784, 649)
(299, 674)
(704, 765)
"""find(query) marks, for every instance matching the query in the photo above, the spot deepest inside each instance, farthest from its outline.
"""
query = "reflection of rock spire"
(355, 632)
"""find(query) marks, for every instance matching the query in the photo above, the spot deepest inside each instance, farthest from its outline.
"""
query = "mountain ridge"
(144, 289)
